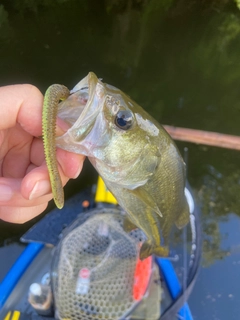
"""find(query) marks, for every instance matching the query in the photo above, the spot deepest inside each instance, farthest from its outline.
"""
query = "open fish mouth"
(80, 111)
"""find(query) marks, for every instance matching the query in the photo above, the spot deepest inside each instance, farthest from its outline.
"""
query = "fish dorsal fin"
(145, 197)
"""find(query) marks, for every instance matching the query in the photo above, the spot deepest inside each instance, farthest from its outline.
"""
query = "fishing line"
(185, 241)
(184, 269)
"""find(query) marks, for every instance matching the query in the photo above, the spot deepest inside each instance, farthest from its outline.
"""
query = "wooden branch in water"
(204, 137)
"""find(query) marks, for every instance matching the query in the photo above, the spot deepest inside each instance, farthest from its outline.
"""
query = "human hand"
(24, 181)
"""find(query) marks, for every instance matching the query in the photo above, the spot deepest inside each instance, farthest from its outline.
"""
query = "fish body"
(136, 158)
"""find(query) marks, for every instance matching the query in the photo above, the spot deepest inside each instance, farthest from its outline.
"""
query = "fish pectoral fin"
(145, 197)
(183, 218)
(128, 225)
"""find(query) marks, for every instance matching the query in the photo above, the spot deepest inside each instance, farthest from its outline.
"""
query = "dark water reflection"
(180, 61)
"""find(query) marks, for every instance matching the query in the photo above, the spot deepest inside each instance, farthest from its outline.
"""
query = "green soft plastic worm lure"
(53, 95)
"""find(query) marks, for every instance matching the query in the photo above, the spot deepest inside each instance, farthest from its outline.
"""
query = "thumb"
(21, 104)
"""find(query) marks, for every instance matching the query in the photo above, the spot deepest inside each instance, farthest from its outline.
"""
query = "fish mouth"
(80, 111)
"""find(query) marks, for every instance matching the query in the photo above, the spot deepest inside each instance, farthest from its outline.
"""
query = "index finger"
(21, 103)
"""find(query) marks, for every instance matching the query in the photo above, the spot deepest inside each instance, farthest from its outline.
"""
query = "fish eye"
(124, 119)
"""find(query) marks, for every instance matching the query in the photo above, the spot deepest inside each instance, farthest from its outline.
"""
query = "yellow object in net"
(103, 194)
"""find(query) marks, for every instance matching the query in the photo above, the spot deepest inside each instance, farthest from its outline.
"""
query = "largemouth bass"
(130, 150)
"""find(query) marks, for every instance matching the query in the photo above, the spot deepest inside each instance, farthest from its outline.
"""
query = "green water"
(180, 60)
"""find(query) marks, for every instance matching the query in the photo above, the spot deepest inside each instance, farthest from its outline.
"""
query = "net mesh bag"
(94, 266)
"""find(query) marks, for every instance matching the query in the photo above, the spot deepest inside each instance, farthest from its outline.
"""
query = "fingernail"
(41, 188)
(6, 193)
